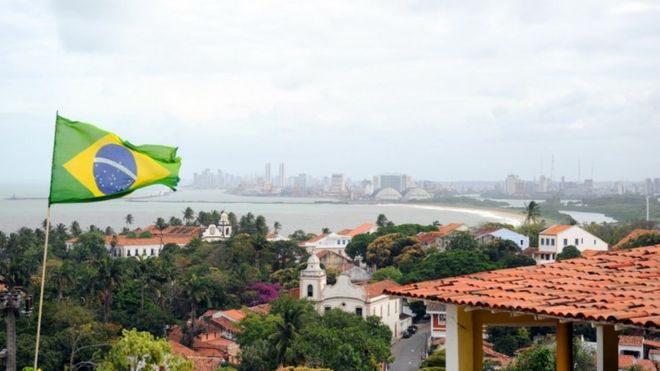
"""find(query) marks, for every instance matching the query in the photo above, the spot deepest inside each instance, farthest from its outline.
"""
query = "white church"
(220, 232)
(362, 298)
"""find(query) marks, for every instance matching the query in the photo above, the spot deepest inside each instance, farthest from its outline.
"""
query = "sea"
(25, 205)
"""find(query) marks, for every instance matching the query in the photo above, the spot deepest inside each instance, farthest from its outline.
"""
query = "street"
(408, 352)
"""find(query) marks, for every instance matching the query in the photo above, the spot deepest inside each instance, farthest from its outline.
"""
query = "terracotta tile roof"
(445, 230)
(176, 230)
(588, 253)
(234, 314)
(626, 361)
(654, 351)
(652, 343)
(295, 293)
(260, 309)
(155, 240)
(361, 229)
(617, 287)
(635, 234)
(646, 365)
(631, 341)
(181, 349)
(556, 229)
(530, 251)
(378, 288)
(225, 324)
(428, 237)
(315, 239)
(344, 232)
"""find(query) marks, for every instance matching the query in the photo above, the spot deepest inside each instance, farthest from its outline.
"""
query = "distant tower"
(267, 174)
(312, 280)
(281, 176)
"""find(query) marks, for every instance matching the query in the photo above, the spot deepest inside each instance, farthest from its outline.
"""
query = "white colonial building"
(220, 232)
(336, 242)
(504, 234)
(361, 299)
(553, 240)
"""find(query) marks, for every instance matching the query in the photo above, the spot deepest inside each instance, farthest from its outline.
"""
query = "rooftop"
(618, 287)
(635, 234)
(556, 229)
(378, 288)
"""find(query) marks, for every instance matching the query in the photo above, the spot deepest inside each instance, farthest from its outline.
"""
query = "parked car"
(407, 334)
(413, 329)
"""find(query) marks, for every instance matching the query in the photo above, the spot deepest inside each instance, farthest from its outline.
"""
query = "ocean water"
(308, 214)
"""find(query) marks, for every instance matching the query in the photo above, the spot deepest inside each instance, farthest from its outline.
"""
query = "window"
(542, 241)
(594, 242)
(152, 252)
(128, 252)
(358, 311)
(522, 243)
(577, 241)
(327, 308)
(565, 241)
(553, 242)
(581, 240)
(310, 291)
(338, 242)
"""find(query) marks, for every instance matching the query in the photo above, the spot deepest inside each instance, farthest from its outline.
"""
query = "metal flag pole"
(45, 258)
(41, 291)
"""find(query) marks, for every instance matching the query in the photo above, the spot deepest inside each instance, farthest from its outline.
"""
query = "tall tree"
(75, 228)
(160, 225)
(109, 275)
(276, 227)
(189, 215)
(129, 220)
(532, 212)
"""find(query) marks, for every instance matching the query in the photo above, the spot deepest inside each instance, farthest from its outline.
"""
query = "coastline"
(501, 215)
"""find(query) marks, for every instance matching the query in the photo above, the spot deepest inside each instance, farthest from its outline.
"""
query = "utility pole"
(13, 302)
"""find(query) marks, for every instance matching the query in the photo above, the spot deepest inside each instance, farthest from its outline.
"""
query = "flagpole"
(45, 258)
(41, 292)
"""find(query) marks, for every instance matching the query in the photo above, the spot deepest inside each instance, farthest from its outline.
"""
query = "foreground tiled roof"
(635, 234)
(617, 287)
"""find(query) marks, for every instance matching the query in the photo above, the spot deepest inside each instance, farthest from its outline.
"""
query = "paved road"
(408, 352)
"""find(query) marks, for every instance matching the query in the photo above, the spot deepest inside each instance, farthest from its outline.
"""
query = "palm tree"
(292, 313)
(196, 290)
(129, 220)
(533, 212)
(160, 225)
(63, 278)
(188, 215)
(276, 227)
(108, 276)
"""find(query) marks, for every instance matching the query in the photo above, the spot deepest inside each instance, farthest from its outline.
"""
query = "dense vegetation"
(90, 297)
(294, 334)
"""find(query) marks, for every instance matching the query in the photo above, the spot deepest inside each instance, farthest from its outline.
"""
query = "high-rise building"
(399, 182)
(337, 183)
(281, 179)
(511, 184)
(300, 183)
(267, 177)
(649, 187)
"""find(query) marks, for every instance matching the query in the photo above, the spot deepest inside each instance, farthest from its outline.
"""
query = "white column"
(451, 338)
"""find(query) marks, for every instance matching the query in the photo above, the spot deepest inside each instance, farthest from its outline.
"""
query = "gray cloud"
(439, 89)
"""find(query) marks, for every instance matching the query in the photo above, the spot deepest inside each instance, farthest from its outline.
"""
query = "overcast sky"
(441, 90)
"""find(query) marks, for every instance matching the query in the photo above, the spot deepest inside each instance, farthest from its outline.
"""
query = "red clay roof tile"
(619, 287)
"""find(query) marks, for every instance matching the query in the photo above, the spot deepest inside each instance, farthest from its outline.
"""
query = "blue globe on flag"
(115, 169)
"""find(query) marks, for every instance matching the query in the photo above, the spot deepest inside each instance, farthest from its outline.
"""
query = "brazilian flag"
(90, 164)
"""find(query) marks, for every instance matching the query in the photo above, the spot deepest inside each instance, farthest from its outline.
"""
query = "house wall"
(581, 239)
(137, 250)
